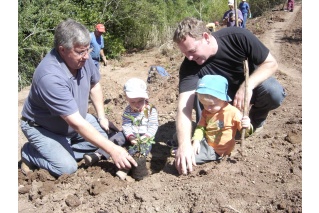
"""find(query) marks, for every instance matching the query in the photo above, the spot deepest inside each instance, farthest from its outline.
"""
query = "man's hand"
(184, 158)
(104, 60)
(240, 97)
(122, 159)
(104, 122)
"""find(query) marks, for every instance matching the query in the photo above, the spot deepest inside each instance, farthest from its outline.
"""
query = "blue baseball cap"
(214, 85)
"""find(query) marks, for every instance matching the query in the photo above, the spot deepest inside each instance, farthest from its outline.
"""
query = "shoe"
(91, 158)
(122, 173)
(259, 129)
(25, 167)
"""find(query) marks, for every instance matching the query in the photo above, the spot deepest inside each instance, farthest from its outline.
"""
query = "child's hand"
(196, 146)
(245, 122)
(133, 140)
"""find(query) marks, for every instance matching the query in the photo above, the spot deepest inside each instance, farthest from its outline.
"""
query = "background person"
(222, 53)
(229, 18)
(245, 10)
(290, 5)
(97, 45)
(54, 116)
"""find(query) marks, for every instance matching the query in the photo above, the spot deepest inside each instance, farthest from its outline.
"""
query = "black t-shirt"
(234, 46)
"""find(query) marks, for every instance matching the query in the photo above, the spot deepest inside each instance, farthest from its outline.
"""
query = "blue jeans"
(245, 15)
(266, 97)
(56, 153)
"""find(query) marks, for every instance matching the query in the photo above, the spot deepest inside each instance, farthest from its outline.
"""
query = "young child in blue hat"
(214, 135)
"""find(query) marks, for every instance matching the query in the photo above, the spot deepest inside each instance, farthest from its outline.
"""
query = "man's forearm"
(102, 55)
(87, 131)
(263, 72)
(184, 117)
(184, 129)
(96, 95)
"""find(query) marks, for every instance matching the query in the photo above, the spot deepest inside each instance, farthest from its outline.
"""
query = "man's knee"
(67, 168)
(271, 93)
(276, 97)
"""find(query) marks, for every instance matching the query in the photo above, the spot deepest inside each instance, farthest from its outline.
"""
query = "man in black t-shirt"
(222, 53)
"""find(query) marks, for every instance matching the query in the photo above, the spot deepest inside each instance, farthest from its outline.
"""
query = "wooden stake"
(245, 112)
(236, 15)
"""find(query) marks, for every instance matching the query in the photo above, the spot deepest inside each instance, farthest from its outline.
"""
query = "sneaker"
(25, 167)
(91, 158)
(122, 173)
(259, 129)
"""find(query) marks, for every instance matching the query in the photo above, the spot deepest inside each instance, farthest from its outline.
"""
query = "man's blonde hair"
(189, 27)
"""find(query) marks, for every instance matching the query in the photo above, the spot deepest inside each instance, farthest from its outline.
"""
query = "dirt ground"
(269, 179)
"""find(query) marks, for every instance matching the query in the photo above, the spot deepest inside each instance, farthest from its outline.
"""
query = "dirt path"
(273, 39)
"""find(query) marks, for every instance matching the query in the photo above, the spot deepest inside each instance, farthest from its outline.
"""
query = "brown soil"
(269, 179)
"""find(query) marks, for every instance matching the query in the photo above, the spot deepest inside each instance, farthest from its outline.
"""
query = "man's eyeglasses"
(83, 53)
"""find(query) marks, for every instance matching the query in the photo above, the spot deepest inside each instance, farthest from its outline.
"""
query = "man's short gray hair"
(69, 33)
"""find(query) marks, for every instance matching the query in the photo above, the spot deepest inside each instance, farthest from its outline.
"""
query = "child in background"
(135, 91)
(214, 135)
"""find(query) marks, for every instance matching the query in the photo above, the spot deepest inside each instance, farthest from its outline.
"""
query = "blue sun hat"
(214, 85)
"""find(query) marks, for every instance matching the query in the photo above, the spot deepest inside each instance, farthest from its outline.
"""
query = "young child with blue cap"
(214, 135)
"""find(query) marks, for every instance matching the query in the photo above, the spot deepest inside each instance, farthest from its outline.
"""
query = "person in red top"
(214, 135)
